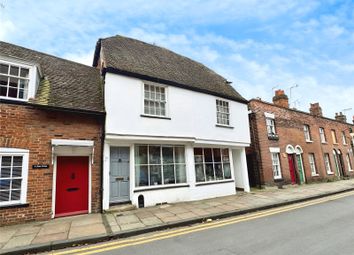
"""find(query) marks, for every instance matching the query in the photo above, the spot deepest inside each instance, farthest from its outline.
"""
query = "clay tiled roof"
(128, 56)
(64, 84)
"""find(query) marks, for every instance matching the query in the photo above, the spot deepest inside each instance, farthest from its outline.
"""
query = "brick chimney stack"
(280, 99)
(341, 117)
(316, 110)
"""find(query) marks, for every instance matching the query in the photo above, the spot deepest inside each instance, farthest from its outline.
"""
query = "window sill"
(315, 175)
(332, 173)
(223, 126)
(274, 137)
(160, 187)
(9, 206)
(213, 182)
(309, 141)
(278, 179)
(13, 99)
(324, 142)
(154, 117)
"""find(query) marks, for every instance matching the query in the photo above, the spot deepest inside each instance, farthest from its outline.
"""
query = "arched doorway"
(338, 161)
(341, 163)
(300, 164)
(291, 151)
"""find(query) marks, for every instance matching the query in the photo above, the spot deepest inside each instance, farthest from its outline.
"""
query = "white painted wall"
(192, 114)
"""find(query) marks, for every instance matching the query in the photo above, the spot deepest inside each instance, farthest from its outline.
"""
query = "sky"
(305, 47)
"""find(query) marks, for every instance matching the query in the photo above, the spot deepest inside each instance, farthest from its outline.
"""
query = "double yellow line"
(186, 230)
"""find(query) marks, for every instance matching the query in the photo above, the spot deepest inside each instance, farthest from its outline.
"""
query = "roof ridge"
(47, 54)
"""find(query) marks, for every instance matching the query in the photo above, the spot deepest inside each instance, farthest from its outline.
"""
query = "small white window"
(13, 176)
(350, 168)
(344, 138)
(276, 166)
(327, 164)
(270, 126)
(312, 164)
(307, 133)
(155, 100)
(14, 80)
(222, 112)
(322, 135)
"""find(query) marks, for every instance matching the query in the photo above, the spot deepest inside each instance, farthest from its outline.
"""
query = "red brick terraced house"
(289, 146)
(51, 123)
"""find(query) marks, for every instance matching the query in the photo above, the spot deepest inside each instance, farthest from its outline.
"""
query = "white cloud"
(85, 58)
(7, 28)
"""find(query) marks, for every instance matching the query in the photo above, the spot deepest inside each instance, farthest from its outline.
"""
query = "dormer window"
(14, 81)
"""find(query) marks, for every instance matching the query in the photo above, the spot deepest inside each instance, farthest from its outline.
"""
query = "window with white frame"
(212, 164)
(344, 139)
(350, 168)
(155, 100)
(312, 164)
(13, 176)
(14, 80)
(222, 112)
(307, 133)
(159, 165)
(322, 135)
(276, 165)
(327, 164)
(270, 126)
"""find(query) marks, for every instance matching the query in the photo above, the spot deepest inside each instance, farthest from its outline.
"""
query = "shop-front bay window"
(159, 165)
(212, 164)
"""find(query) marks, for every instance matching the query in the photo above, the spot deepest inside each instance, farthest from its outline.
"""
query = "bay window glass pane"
(4, 196)
(5, 184)
(141, 154)
(24, 72)
(198, 155)
(167, 155)
(141, 176)
(154, 155)
(227, 171)
(155, 175)
(217, 155)
(17, 161)
(168, 174)
(6, 161)
(16, 184)
(14, 70)
(4, 68)
(5, 172)
(218, 171)
(208, 155)
(15, 194)
(3, 91)
(225, 156)
(179, 155)
(199, 173)
(209, 172)
(12, 92)
(181, 173)
(16, 171)
(3, 80)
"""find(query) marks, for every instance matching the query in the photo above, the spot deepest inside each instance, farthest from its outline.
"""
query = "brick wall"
(31, 128)
(289, 126)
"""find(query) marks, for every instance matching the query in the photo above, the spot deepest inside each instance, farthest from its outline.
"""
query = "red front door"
(71, 186)
(292, 168)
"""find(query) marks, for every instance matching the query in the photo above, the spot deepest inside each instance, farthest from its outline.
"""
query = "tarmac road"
(323, 227)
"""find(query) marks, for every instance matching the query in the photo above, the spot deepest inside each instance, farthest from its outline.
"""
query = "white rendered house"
(175, 130)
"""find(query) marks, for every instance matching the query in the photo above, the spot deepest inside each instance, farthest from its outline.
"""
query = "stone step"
(121, 208)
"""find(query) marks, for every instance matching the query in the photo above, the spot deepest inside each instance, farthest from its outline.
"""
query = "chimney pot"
(341, 117)
(280, 99)
(316, 110)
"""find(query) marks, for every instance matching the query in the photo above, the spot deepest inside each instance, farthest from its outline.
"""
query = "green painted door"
(300, 167)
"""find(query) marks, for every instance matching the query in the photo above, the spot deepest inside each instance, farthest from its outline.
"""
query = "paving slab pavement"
(61, 232)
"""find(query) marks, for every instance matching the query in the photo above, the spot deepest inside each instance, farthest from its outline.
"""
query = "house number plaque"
(40, 166)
